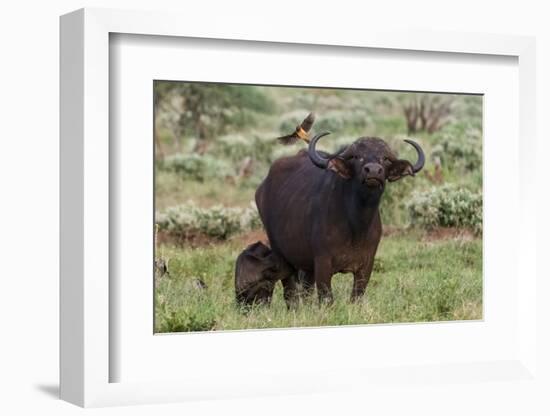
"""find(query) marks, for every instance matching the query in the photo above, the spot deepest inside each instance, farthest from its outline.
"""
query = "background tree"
(204, 111)
(427, 112)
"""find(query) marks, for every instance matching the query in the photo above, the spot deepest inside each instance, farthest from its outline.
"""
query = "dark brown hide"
(256, 272)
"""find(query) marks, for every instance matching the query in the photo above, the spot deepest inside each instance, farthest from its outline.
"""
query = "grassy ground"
(172, 190)
(417, 277)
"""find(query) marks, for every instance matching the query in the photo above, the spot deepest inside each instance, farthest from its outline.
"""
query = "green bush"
(459, 147)
(207, 109)
(217, 222)
(393, 205)
(335, 121)
(197, 167)
(447, 206)
(236, 147)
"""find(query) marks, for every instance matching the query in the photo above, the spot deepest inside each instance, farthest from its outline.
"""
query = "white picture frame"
(86, 356)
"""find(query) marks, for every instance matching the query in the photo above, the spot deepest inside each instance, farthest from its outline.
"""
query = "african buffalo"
(257, 270)
(321, 211)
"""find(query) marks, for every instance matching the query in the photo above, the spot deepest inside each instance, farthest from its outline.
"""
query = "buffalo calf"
(256, 272)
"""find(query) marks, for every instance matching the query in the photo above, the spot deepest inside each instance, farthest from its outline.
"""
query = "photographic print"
(286, 207)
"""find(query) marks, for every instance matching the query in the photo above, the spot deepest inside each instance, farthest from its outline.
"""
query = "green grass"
(417, 278)
(172, 190)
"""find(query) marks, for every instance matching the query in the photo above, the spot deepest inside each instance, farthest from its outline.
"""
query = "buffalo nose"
(373, 169)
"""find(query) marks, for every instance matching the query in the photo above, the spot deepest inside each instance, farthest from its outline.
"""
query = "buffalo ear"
(399, 169)
(338, 165)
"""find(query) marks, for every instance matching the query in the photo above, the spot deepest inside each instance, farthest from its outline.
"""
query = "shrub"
(218, 222)
(207, 109)
(197, 167)
(393, 205)
(447, 206)
(460, 147)
(236, 147)
(335, 121)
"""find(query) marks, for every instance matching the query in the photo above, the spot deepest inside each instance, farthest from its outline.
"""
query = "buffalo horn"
(421, 159)
(315, 157)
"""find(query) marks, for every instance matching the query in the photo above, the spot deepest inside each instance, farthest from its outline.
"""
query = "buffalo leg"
(307, 280)
(360, 280)
(323, 277)
(362, 276)
(289, 290)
